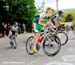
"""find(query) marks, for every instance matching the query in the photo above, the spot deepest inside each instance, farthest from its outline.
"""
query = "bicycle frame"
(44, 34)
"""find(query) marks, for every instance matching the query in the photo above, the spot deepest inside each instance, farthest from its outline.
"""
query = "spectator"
(2, 29)
(24, 27)
(7, 29)
(19, 29)
(5, 26)
(22, 31)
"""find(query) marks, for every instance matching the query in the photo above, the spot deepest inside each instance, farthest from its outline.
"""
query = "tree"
(22, 9)
(72, 11)
(69, 11)
(2, 9)
(40, 9)
(19, 10)
(69, 18)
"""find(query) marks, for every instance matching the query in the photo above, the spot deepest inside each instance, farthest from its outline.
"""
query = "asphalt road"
(19, 56)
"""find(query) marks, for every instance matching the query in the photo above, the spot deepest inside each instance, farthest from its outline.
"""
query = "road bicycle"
(50, 43)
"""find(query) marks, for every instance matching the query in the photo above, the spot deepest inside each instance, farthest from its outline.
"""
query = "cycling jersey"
(45, 19)
(37, 27)
(57, 17)
(36, 19)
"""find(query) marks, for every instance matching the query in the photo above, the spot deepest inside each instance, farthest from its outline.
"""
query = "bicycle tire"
(66, 36)
(27, 42)
(58, 42)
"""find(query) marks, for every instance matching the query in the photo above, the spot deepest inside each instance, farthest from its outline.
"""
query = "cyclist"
(56, 18)
(41, 26)
(13, 35)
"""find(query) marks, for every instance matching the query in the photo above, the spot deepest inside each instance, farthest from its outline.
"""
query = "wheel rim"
(52, 48)
(63, 37)
(29, 46)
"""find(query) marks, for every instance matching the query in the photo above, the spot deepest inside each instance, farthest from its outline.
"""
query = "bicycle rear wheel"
(51, 45)
(29, 45)
(63, 37)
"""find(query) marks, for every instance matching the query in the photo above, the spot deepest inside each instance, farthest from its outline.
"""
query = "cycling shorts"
(37, 27)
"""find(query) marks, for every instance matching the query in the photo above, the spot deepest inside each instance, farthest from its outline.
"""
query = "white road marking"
(69, 58)
(59, 63)
(12, 62)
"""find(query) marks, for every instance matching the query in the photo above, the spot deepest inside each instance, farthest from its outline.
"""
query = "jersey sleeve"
(57, 18)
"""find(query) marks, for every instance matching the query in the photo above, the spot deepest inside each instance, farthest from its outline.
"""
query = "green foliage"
(19, 10)
(71, 11)
(40, 9)
(73, 14)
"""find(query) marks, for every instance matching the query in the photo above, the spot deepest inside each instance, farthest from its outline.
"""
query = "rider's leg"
(52, 25)
(37, 35)
(57, 24)
(37, 28)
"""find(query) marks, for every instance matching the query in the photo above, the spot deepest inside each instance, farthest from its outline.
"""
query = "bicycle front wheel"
(51, 45)
(29, 45)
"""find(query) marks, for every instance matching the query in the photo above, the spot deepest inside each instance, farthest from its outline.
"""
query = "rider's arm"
(57, 22)
(40, 22)
(51, 24)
